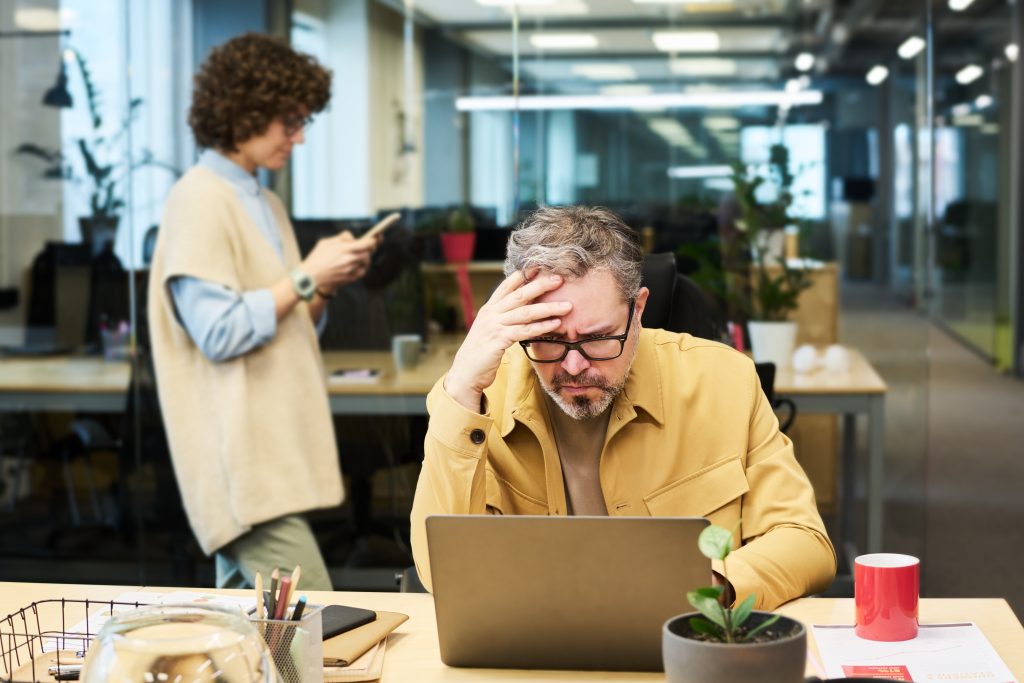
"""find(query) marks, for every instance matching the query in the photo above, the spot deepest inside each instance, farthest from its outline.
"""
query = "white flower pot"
(773, 342)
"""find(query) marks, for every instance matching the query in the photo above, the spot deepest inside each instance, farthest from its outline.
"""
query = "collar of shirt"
(229, 171)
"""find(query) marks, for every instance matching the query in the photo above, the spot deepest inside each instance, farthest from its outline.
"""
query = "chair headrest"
(659, 276)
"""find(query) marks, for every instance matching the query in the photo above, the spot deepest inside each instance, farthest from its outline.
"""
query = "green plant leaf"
(705, 627)
(749, 635)
(715, 542)
(742, 611)
(707, 605)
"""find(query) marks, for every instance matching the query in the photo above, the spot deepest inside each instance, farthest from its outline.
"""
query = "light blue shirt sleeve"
(222, 323)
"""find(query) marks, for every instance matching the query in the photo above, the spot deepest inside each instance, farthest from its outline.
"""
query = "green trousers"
(281, 543)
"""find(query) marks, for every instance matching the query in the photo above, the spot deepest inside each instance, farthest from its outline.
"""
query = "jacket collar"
(643, 391)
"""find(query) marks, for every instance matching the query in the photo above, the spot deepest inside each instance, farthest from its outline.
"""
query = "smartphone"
(383, 225)
(339, 619)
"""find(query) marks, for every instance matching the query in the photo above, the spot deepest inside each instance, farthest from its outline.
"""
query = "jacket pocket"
(701, 493)
(505, 499)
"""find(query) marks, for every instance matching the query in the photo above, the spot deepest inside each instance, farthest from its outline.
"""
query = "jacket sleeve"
(786, 552)
(452, 480)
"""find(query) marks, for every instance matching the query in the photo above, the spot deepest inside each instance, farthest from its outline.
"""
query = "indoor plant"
(459, 239)
(730, 644)
(759, 279)
(103, 161)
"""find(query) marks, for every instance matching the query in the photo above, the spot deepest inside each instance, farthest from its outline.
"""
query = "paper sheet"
(951, 653)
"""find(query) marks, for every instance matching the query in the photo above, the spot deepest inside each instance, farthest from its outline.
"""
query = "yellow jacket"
(692, 434)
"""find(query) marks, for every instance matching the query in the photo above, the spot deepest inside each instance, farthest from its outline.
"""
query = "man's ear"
(641, 302)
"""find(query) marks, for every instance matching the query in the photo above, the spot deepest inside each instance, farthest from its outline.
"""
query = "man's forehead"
(595, 297)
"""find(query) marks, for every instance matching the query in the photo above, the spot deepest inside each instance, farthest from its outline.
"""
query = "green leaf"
(708, 606)
(760, 627)
(707, 628)
(715, 542)
(741, 612)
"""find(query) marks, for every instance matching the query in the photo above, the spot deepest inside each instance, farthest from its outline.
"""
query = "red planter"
(457, 247)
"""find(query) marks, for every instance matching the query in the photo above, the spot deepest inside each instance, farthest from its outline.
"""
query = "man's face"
(584, 388)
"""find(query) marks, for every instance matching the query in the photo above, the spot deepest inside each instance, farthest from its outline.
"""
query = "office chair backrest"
(677, 303)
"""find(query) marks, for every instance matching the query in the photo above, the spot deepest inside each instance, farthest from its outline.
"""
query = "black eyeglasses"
(293, 123)
(593, 349)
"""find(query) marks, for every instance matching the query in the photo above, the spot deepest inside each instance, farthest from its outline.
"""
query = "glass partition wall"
(468, 114)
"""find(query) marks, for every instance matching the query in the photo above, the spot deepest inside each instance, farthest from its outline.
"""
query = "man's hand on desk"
(509, 316)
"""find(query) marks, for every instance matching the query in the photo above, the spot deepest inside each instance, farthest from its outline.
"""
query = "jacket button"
(477, 436)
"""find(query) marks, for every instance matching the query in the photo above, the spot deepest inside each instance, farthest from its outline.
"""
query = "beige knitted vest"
(251, 438)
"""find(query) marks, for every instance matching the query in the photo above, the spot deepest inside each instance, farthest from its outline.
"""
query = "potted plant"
(101, 153)
(459, 239)
(761, 282)
(730, 644)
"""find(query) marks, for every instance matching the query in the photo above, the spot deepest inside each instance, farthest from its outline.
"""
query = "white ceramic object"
(773, 342)
(805, 359)
(837, 359)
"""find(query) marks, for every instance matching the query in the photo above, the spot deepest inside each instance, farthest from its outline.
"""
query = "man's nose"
(574, 363)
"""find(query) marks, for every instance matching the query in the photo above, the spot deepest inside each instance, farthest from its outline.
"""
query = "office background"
(906, 155)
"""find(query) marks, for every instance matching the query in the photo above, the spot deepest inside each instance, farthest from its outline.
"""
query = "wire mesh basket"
(47, 640)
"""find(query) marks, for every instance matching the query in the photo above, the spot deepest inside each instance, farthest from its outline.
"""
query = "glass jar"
(178, 644)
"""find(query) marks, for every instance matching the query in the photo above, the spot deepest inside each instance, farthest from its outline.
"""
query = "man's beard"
(582, 407)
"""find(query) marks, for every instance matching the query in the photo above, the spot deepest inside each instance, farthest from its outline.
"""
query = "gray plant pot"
(695, 661)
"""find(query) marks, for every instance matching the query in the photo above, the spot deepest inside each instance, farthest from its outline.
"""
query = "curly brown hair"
(248, 82)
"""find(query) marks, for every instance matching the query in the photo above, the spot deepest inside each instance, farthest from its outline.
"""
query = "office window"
(806, 144)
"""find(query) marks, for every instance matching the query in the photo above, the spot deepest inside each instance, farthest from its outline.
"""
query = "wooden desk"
(413, 655)
(63, 383)
(857, 392)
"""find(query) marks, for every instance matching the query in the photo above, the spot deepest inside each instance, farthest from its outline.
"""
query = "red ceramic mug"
(885, 592)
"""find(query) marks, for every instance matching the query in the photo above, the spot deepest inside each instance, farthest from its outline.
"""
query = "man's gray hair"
(571, 241)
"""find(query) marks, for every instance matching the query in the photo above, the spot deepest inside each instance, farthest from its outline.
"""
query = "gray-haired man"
(558, 402)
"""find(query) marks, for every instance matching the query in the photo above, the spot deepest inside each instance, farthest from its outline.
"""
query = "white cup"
(406, 350)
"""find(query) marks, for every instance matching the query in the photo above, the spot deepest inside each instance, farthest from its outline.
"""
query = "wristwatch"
(304, 285)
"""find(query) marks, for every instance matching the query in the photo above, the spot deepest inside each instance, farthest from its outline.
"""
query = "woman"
(233, 310)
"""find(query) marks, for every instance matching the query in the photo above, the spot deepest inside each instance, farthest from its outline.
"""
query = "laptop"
(537, 592)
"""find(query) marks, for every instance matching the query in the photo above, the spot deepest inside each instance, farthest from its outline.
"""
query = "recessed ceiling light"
(969, 74)
(511, 3)
(37, 19)
(562, 8)
(983, 101)
(793, 86)
(564, 41)
(877, 75)
(960, 5)
(804, 61)
(962, 109)
(911, 47)
(605, 72)
(1011, 52)
(622, 89)
(686, 41)
(703, 67)
(720, 123)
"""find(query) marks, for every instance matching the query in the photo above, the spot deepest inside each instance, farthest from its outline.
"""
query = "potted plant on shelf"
(730, 644)
(762, 284)
(459, 239)
(102, 159)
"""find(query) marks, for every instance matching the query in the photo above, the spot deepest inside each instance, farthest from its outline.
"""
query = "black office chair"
(678, 304)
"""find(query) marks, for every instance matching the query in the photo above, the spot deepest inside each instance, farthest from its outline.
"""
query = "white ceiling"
(470, 11)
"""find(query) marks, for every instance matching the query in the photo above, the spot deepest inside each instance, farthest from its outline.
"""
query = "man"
(559, 402)
(232, 310)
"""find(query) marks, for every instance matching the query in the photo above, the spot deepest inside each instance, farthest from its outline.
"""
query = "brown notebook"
(345, 648)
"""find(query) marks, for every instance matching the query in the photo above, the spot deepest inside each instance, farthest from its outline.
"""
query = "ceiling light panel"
(564, 41)
(559, 8)
(1011, 52)
(969, 74)
(911, 47)
(703, 67)
(686, 41)
(604, 72)
(960, 5)
(877, 75)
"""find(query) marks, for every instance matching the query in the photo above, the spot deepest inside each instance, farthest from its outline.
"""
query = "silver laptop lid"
(532, 592)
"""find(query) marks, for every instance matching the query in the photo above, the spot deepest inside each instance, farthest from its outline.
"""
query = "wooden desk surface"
(412, 653)
(862, 378)
(64, 374)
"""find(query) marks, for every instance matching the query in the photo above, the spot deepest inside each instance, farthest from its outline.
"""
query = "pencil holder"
(296, 646)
